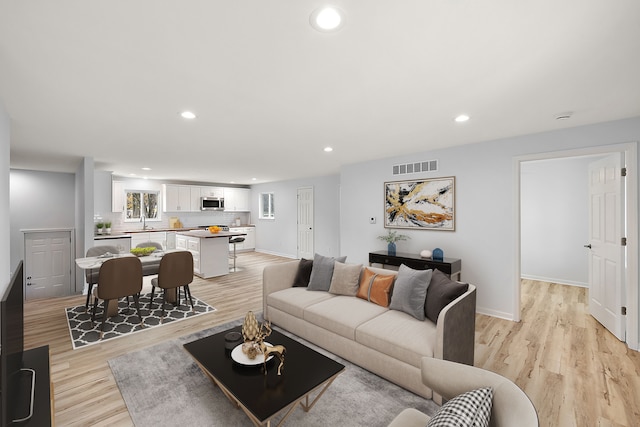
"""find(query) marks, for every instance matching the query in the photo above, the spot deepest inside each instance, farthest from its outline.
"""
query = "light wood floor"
(576, 373)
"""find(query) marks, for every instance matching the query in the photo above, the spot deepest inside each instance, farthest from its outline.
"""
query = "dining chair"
(150, 268)
(176, 271)
(92, 274)
(119, 277)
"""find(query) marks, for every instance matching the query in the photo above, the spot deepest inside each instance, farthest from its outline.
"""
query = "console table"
(450, 266)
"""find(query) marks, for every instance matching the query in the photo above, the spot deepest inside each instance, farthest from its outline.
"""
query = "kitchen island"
(210, 251)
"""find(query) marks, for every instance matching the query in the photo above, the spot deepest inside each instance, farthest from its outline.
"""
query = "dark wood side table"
(450, 266)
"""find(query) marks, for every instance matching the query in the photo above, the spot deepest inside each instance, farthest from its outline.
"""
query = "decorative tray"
(239, 357)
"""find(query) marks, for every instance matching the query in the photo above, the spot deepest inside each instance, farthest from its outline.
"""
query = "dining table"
(90, 263)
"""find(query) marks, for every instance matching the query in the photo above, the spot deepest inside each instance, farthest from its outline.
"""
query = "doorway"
(630, 281)
(48, 264)
(305, 223)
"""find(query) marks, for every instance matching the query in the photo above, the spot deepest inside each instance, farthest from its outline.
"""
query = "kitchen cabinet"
(171, 240)
(211, 192)
(117, 196)
(249, 243)
(236, 199)
(102, 187)
(195, 199)
(191, 244)
(122, 243)
(176, 198)
(152, 236)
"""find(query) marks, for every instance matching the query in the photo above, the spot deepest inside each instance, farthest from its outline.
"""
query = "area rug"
(163, 386)
(83, 333)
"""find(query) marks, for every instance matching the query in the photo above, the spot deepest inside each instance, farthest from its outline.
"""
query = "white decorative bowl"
(426, 253)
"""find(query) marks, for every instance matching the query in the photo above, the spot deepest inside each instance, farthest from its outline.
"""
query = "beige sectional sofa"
(389, 343)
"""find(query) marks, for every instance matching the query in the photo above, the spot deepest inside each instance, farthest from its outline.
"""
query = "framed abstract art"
(427, 204)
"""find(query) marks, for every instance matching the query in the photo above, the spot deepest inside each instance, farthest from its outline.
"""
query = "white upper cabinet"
(101, 192)
(176, 198)
(236, 199)
(117, 196)
(195, 199)
(211, 192)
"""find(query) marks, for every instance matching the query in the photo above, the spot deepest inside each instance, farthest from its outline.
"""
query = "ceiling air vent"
(417, 167)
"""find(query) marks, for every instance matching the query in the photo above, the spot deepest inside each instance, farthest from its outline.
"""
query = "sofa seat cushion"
(342, 314)
(294, 300)
(399, 335)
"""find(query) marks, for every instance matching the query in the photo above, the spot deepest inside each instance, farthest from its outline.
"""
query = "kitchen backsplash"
(188, 219)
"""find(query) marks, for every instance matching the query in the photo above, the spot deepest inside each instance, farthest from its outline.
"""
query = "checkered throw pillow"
(472, 409)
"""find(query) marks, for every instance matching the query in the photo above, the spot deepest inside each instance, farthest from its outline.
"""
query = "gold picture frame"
(427, 204)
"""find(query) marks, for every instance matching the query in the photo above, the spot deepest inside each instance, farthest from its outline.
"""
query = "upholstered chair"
(510, 405)
(93, 273)
(119, 277)
(176, 271)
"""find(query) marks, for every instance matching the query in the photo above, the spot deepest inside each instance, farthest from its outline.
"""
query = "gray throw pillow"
(410, 291)
(442, 291)
(322, 272)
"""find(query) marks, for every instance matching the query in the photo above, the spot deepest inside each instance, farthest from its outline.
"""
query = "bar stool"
(234, 241)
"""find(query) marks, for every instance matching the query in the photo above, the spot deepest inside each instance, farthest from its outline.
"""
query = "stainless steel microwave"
(212, 203)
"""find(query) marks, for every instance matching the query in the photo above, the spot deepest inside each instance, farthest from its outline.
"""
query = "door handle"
(588, 246)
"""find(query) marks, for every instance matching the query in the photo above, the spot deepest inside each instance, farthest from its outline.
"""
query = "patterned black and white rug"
(83, 333)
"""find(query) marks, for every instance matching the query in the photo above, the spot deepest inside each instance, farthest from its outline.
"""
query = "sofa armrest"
(456, 328)
(276, 277)
(511, 406)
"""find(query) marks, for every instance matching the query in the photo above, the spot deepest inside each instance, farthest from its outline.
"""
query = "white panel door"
(47, 264)
(606, 254)
(305, 223)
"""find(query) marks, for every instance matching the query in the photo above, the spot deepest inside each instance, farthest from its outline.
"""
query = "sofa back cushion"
(376, 288)
(345, 280)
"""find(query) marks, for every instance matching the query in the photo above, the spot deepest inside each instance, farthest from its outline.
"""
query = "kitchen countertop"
(204, 234)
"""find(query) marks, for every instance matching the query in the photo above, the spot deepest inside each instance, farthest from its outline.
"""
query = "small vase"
(99, 230)
(108, 230)
(391, 248)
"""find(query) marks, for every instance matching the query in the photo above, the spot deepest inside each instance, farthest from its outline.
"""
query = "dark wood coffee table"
(262, 396)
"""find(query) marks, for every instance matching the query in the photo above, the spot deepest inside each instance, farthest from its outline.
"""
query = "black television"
(12, 375)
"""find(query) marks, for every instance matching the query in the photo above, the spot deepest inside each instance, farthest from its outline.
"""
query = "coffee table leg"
(306, 406)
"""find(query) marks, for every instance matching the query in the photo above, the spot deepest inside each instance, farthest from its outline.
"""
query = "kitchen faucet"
(143, 220)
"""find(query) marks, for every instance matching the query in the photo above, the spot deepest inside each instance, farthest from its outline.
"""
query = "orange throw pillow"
(376, 288)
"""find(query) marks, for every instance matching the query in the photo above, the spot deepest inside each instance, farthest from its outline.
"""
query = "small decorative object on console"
(438, 255)
(426, 253)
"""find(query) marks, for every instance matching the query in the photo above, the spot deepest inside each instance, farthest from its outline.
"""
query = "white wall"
(554, 220)
(279, 236)
(485, 199)
(39, 200)
(6, 267)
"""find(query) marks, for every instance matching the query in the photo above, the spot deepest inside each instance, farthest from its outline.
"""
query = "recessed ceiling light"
(188, 115)
(328, 149)
(328, 18)
(462, 118)
(146, 169)
(253, 179)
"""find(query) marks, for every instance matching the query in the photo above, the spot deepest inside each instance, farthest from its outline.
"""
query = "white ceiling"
(107, 79)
